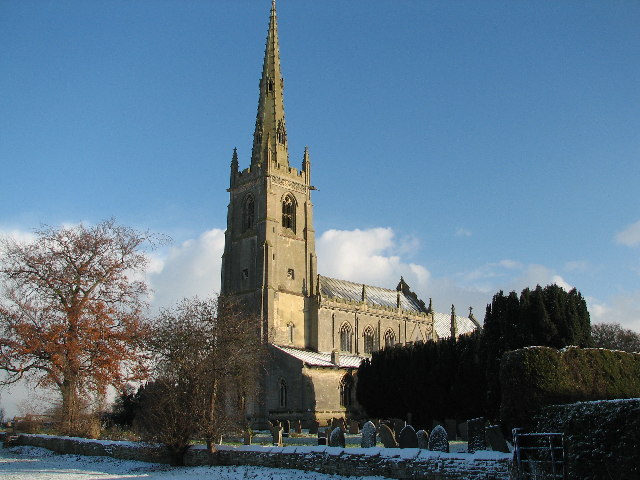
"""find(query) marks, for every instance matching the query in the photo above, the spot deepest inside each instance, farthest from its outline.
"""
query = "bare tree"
(614, 337)
(72, 314)
(208, 353)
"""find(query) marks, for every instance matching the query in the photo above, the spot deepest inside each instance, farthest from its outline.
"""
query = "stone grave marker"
(451, 426)
(398, 425)
(438, 440)
(368, 435)
(408, 438)
(336, 438)
(475, 432)
(387, 437)
(423, 439)
(297, 426)
(354, 428)
(496, 440)
(247, 437)
(322, 437)
(276, 433)
(286, 428)
(313, 427)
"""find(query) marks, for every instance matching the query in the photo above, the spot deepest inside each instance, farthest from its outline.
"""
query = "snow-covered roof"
(442, 324)
(317, 359)
(376, 296)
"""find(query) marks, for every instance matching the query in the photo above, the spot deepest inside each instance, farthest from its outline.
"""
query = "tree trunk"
(70, 406)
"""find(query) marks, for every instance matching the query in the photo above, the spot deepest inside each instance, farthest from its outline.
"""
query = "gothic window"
(281, 133)
(283, 394)
(345, 338)
(368, 337)
(248, 213)
(289, 213)
(389, 339)
(346, 390)
(290, 327)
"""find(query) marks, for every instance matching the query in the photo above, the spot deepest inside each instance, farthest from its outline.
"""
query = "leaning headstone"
(277, 436)
(423, 439)
(496, 439)
(354, 428)
(313, 427)
(387, 437)
(462, 428)
(297, 426)
(336, 438)
(286, 428)
(398, 425)
(475, 431)
(450, 426)
(438, 440)
(408, 438)
(322, 437)
(368, 435)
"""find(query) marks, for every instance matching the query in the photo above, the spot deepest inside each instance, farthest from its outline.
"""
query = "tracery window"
(346, 390)
(368, 338)
(248, 213)
(345, 338)
(283, 394)
(389, 339)
(289, 213)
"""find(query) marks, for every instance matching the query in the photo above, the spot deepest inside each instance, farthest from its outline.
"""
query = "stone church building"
(318, 329)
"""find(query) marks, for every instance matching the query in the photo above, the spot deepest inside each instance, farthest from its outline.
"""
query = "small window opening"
(245, 273)
(283, 394)
(291, 274)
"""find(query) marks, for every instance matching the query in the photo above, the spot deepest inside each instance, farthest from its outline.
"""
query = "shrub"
(601, 438)
(535, 377)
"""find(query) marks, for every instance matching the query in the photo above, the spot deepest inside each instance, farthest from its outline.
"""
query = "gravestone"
(322, 437)
(451, 426)
(398, 425)
(276, 433)
(475, 431)
(297, 426)
(354, 428)
(423, 439)
(286, 428)
(408, 438)
(247, 437)
(368, 435)
(462, 428)
(496, 439)
(387, 437)
(336, 438)
(313, 427)
(438, 440)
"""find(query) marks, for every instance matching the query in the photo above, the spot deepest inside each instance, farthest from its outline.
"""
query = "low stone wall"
(397, 463)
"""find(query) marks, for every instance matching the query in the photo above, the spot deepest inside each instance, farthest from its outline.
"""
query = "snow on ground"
(32, 463)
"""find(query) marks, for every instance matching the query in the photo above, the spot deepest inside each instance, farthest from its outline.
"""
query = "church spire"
(270, 135)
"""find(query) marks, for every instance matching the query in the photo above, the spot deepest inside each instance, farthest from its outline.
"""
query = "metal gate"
(538, 456)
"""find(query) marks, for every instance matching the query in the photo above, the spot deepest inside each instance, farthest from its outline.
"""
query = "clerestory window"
(369, 339)
(346, 338)
(389, 339)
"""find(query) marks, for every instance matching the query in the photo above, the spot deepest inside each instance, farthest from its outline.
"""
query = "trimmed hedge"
(601, 438)
(534, 377)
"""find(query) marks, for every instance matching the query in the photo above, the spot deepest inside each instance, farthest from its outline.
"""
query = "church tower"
(269, 261)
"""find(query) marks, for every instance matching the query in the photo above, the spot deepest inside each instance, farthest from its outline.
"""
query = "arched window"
(389, 339)
(345, 338)
(368, 336)
(248, 213)
(346, 390)
(283, 394)
(289, 213)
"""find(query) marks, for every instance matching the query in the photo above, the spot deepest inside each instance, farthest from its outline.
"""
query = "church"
(318, 329)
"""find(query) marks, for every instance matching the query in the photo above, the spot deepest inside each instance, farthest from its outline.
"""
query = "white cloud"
(630, 236)
(370, 256)
(187, 270)
(623, 309)
(463, 232)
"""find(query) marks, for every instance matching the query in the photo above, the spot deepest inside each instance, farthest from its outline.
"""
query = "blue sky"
(469, 146)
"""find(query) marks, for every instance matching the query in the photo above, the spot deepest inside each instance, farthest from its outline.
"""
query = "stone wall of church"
(392, 325)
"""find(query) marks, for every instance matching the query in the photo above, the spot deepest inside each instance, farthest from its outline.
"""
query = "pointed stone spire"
(270, 135)
(306, 165)
(234, 165)
(454, 322)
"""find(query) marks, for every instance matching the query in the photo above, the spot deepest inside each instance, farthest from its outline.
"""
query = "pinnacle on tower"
(270, 135)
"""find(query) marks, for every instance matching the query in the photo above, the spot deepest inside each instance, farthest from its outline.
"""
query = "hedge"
(534, 377)
(601, 438)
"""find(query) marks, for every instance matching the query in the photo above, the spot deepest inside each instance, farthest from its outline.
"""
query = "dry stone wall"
(407, 463)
